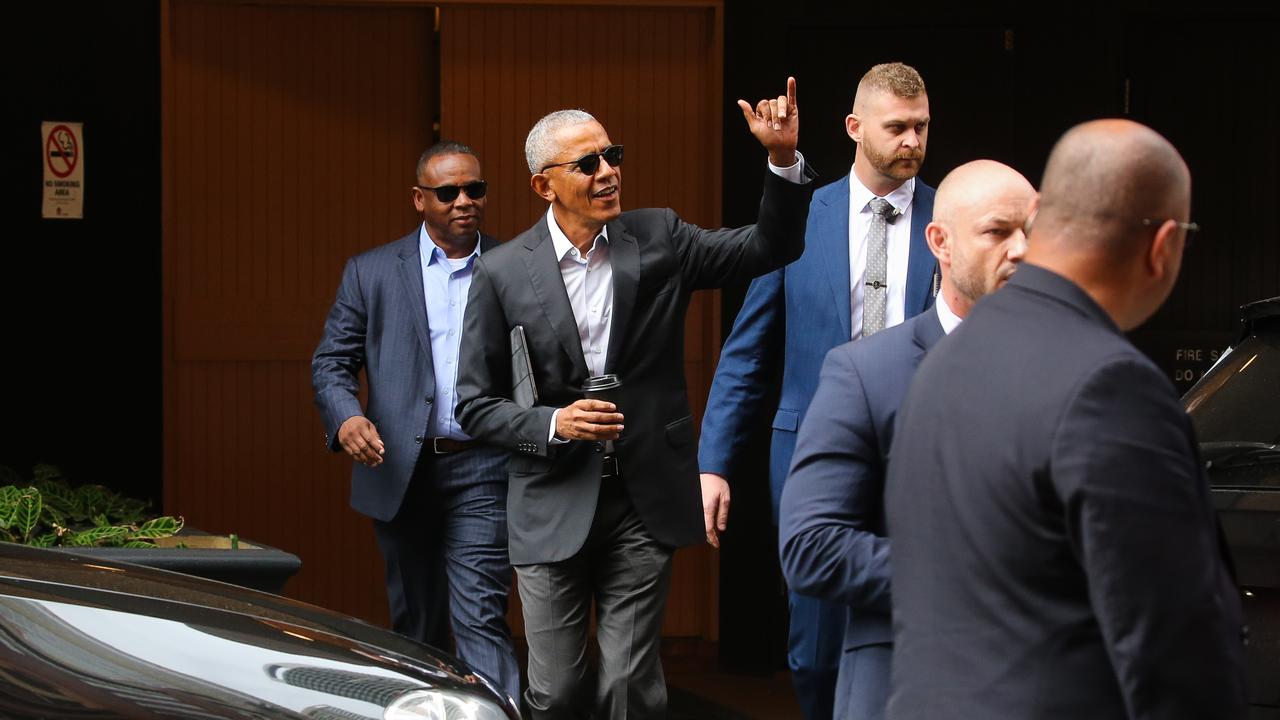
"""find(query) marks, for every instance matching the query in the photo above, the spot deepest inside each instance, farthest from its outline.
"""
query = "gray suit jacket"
(831, 533)
(1055, 551)
(379, 322)
(658, 261)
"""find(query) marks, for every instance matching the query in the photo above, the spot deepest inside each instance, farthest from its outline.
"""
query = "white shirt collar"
(950, 321)
(860, 196)
(560, 241)
(432, 252)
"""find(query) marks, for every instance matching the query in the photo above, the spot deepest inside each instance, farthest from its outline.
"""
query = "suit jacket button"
(599, 447)
(430, 399)
(418, 439)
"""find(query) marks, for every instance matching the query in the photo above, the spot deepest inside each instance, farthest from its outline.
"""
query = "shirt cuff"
(551, 434)
(793, 173)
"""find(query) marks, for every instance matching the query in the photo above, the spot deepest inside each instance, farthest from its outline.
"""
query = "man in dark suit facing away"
(1055, 551)
(601, 493)
(832, 537)
(437, 498)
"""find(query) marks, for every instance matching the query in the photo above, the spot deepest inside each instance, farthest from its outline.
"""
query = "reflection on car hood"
(85, 638)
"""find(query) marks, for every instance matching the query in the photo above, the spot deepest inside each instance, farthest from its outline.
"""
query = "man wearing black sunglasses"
(437, 498)
(595, 508)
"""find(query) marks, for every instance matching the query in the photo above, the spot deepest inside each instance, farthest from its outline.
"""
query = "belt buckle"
(609, 468)
(435, 446)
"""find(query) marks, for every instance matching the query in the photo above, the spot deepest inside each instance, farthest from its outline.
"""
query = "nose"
(1017, 246)
(605, 169)
(911, 138)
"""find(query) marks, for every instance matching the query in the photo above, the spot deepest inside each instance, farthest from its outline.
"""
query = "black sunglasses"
(449, 193)
(589, 163)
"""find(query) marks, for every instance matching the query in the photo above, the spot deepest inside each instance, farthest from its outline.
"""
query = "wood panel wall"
(652, 76)
(291, 135)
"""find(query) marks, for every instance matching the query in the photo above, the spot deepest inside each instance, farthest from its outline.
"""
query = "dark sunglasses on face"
(589, 163)
(449, 193)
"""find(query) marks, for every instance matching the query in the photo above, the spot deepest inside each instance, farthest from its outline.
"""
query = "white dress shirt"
(588, 281)
(898, 242)
(445, 284)
(949, 320)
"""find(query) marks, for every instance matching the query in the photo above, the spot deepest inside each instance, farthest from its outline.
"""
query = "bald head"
(978, 185)
(979, 213)
(1103, 178)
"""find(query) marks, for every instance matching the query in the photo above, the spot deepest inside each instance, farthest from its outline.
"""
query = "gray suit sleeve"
(1141, 524)
(485, 408)
(335, 367)
(833, 496)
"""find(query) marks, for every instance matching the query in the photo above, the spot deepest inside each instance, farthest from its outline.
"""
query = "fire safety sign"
(63, 149)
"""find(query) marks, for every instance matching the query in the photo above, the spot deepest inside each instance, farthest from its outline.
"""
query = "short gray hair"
(540, 148)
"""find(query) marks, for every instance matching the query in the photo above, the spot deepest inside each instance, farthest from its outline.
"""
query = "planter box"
(252, 565)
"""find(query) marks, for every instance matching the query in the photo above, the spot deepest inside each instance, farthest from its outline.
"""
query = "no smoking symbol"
(62, 151)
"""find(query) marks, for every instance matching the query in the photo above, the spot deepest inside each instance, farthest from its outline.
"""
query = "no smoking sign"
(63, 149)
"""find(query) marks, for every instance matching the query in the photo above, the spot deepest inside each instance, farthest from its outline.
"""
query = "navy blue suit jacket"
(1055, 548)
(831, 533)
(794, 316)
(379, 322)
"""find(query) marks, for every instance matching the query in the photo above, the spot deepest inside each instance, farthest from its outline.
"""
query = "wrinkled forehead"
(574, 141)
(1000, 203)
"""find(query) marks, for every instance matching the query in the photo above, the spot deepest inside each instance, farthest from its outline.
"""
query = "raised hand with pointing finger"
(775, 122)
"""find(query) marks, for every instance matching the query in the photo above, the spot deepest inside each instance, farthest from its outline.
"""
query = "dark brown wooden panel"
(291, 133)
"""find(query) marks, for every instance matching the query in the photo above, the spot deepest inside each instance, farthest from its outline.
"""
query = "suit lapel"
(548, 285)
(624, 257)
(411, 280)
(920, 262)
(829, 223)
(927, 332)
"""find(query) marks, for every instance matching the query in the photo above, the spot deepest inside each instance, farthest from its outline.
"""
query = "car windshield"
(1237, 417)
(1238, 400)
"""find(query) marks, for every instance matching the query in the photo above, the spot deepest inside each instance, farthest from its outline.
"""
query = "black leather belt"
(610, 468)
(444, 445)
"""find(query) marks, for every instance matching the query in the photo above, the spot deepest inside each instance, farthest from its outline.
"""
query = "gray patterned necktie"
(875, 289)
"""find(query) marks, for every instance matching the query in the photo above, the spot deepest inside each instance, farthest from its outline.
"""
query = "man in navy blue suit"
(1055, 548)
(832, 532)
(437, 497)
(866, 266)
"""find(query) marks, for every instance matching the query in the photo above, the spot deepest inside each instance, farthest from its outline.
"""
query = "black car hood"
(80, 637)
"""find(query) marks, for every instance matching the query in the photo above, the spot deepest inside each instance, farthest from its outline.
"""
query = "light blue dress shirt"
(445, 282)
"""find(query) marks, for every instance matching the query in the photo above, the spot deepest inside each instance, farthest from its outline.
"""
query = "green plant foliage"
(27, 516)
(157, 528)
(47, 512)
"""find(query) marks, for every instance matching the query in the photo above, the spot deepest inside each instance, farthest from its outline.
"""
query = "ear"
(939, 243)
(1164, 254)
(419, 199)
(853, 126)
(541, 185)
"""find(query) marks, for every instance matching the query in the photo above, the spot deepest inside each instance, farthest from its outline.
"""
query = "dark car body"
(86, 638)
(1235, 408)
